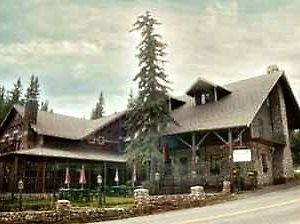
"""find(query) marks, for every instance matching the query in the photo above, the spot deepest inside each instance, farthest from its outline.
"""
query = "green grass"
(46, 204)
(110, 202)
(27, 204)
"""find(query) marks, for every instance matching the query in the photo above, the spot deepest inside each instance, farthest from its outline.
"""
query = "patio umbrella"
(117, 176)
(67, 177)
(82, 179)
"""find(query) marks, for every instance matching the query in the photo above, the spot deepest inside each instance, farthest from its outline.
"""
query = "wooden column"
(194, 151)
(104, 182)
(37, 188)
(13, 177)
(2, 165)
(215, 94)
(230, 158)
(44, 178)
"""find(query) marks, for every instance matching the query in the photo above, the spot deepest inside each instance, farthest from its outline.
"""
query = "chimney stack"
(30, 117)
(31, 111)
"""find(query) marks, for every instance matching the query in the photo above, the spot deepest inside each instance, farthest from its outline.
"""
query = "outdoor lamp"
(20, 185)
(99, 179)
(157, 176)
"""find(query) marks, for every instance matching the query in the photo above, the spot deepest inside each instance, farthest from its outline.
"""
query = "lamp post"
(99, 182)
(20, 187)
(157, 179)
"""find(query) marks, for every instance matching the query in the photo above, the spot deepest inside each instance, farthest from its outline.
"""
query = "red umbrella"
(67, 177)
(82, 179)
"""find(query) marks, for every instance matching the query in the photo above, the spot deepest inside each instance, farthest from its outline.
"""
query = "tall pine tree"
(16, 93)
(45, 105)
(150, 114)
(33, 91)
(98, 111)
(3, 103)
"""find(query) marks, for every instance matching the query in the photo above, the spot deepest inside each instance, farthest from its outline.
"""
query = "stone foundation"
(151, 205)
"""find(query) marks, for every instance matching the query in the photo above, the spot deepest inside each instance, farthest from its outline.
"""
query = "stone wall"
(264, 177)
(151, 205)
(283, 163)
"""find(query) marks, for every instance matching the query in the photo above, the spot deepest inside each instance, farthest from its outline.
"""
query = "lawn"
(111, 201)
(47, 204)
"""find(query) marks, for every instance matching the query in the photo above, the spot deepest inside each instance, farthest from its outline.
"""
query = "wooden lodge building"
(38, 146)
(219, 132)
(240, 129)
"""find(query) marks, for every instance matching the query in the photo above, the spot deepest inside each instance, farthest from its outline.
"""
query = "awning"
(79, 154)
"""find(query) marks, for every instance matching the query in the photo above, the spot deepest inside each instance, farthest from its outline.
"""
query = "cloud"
(81, 47)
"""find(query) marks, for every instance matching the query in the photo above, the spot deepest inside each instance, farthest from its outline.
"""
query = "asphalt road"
(279, 207)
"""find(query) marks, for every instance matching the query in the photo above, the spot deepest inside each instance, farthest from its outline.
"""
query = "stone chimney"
(30, 117)
(274, 69)
(31, 111)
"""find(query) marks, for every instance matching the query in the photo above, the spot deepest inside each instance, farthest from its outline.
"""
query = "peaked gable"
(62, 126)
(235, 110)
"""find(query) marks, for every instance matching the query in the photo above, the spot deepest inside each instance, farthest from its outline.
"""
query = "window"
(264, 163)
(215, 164)
(184, 165)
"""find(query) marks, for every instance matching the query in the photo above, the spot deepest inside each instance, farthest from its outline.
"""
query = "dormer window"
(205, 92)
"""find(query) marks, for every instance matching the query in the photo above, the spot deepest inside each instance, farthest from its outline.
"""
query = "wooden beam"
(240, 135)
(202, 140)
(184, 142)
(220, 137)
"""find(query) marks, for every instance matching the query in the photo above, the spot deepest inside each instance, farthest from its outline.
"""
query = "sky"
(79, 48)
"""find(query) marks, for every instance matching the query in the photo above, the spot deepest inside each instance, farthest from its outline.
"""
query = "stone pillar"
(282, 158)
(198, 191)
(287, 153)
(141, 198)
(63, 205)
(226, 187)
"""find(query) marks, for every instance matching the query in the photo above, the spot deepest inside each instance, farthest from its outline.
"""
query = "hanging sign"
(242, 155)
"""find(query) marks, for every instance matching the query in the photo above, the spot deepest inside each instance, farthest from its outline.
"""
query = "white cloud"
(91, 43)
(50, 48)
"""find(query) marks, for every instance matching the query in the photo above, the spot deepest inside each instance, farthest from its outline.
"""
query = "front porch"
(44, 171)
(206, 158)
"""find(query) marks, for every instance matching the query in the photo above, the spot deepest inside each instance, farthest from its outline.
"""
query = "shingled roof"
(57, 125)
(237, 109)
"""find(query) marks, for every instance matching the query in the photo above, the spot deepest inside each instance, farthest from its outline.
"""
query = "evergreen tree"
(98, 111)
(33, 90)
(150, 113)
(131, 101)
(45, 105)
(3, 103)
(16, 93)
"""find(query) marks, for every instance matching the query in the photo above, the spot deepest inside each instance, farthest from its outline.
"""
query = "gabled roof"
(237, 109)
(68, 127)
(203, 85)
